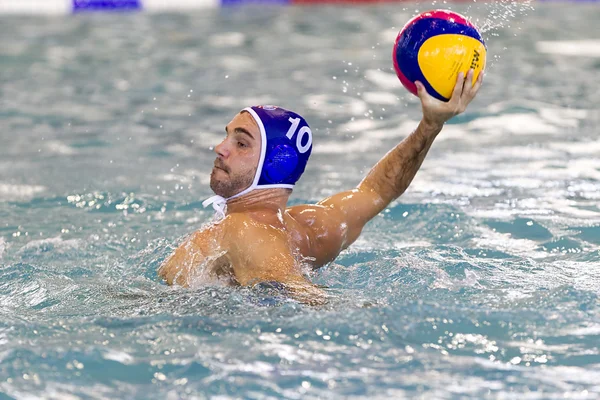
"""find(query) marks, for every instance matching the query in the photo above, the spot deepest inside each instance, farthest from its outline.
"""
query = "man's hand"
(436, 112)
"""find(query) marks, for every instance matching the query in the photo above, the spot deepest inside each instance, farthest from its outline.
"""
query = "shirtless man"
(259, 238)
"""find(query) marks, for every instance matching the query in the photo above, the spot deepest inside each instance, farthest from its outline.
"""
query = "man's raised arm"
(390, 177)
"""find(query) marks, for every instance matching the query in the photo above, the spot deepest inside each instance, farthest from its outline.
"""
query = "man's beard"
(232, 186)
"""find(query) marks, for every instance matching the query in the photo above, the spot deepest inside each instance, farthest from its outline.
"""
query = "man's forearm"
(395, 171)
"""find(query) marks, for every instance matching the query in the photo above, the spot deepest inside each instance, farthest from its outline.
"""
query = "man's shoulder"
(312, 214)
(235, 231)
(242, 224)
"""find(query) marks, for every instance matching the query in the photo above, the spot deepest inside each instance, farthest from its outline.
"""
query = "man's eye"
(240, 144)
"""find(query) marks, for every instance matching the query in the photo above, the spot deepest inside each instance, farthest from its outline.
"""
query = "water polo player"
(260, 239)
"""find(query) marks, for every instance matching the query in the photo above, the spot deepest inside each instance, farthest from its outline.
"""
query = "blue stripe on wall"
(242, 2)
(106, 5)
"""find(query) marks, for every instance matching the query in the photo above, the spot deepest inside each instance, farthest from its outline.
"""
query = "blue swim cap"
(285, 148)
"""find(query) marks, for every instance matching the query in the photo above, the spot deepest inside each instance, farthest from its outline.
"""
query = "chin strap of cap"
(219, 204)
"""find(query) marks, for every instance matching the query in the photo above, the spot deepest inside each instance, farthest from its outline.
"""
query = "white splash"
(228, 39)
(56, 147)
(384, 80)
(238, 63)
(58, 245)
(383, 98)
(10, 192)
(118, 356)
(335, 105)
(572, 48)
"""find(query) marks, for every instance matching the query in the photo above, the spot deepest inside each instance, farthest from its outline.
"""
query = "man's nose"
(222, 150)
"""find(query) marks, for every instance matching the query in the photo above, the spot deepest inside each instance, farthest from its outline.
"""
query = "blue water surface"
(482, 281)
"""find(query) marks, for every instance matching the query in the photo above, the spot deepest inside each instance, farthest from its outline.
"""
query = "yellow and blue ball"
(433, 48)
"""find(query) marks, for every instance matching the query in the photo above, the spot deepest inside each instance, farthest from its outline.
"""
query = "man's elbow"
(164, 275)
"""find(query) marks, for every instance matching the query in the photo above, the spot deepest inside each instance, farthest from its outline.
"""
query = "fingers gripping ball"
(433, 48)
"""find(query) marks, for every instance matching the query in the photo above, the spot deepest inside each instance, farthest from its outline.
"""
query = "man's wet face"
(237, 157)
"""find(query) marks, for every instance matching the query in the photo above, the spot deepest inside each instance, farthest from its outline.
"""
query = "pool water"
(482, 280)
